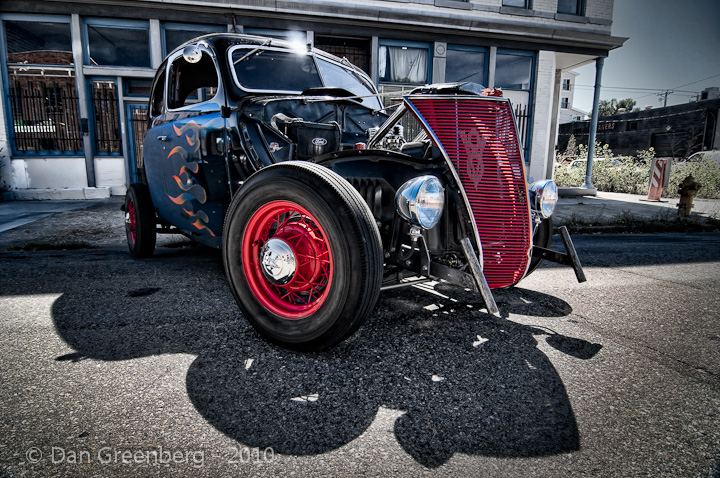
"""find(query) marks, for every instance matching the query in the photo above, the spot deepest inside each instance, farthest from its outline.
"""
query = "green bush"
(706, 173)
(631, 174)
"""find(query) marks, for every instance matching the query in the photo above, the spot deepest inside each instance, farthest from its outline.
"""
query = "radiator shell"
(479, 140)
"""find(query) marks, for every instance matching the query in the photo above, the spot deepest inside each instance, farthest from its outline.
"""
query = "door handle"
(162, 138)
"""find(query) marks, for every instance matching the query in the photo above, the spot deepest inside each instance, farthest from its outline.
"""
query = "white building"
(76, 73)
(568, 113)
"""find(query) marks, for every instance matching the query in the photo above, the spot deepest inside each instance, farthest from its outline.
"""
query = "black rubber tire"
(353, 239)
(542, 238)
(138, 203)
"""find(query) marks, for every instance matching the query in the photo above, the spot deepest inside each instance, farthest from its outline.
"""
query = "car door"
(186, 174)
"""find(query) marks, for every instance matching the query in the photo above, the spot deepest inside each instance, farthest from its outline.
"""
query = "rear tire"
(322, 291)
(140, 223)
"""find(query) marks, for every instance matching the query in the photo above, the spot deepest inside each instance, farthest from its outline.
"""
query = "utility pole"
(664, 96)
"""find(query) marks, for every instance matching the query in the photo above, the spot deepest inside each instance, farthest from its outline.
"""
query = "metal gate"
(137, 127)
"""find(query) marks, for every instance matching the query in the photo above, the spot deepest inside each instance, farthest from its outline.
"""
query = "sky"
(672, 45)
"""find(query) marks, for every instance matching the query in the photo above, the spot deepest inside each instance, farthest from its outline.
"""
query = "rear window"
(272, 70)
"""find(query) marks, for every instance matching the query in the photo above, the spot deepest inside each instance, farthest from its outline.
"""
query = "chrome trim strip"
(521, 149)
(386, 126)
(480, 281)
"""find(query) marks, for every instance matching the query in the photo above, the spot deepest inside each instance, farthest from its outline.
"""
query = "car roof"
(260, 41)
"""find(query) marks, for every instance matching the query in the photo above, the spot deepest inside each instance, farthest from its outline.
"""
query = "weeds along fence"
(631, 174)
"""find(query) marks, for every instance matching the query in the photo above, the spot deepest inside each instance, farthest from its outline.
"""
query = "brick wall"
(545, 5)
(599, 9)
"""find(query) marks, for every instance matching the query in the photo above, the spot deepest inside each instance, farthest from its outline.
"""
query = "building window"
(564, 102)
(137, 87)
(514, 74)
(466, 64)
(516, 3)
(38, 43)
(42, 94)
(356, 50)
(291, 36)
(571, 7)
(403, 63)
(175, 34)
(513, 71)
(399, 64)
(125, 44)
(566, 84)
(107, 120)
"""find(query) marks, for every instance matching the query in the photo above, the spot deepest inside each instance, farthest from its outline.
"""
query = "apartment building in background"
(568, 113)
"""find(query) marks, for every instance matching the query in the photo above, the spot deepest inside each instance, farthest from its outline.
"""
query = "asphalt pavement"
(111, 366)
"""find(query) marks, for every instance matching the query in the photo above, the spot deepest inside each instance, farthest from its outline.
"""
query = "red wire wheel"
(131, 222)
(302, 254)
(140, 223)
(304, 290)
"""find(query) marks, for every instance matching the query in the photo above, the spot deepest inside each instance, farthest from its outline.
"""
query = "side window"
(157, 100)
(191, 83)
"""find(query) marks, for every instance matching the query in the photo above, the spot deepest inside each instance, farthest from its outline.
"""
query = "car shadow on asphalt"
(464, 382)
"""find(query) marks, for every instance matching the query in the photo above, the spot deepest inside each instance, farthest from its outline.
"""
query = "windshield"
(340, 77)
(282, 71)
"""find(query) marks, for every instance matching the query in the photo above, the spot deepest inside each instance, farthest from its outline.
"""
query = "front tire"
(541, 238)
(302, 255)
(140, 222)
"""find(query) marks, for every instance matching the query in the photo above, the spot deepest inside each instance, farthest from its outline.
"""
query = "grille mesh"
(480, 139)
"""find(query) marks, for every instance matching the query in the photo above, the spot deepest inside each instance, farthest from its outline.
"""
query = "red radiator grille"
(479, 138)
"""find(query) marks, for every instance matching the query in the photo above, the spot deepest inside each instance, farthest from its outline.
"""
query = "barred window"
(42, 90)
(45, 115)
(107, 120)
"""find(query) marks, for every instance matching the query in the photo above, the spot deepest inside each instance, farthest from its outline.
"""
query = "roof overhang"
(421, 17)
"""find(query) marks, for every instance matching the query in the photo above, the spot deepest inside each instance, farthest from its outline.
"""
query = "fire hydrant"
(687, 189)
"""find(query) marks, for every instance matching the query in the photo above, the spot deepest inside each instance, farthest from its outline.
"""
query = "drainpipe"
(593, 127)
(83, 98)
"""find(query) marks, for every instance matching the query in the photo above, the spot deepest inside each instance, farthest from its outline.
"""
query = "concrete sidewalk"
(606, 206)
(18, 213)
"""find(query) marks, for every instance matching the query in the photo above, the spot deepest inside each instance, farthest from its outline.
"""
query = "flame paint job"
(191, 127)
(182, 199)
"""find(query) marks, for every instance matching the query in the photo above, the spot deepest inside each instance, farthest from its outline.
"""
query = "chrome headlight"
(543, 197)
(420, 201)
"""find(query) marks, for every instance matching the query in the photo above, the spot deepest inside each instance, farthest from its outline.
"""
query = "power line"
(620, 88)
(698, 81)
(653, 90)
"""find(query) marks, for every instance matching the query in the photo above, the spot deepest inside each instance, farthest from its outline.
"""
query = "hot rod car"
(287, 159)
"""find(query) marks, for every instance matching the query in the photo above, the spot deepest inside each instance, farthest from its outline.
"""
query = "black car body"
(286, 159)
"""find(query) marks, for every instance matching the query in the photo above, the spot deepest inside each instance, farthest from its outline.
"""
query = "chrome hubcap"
(277, 261)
